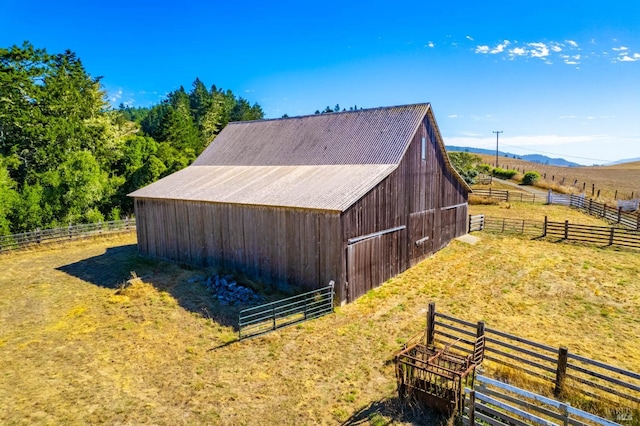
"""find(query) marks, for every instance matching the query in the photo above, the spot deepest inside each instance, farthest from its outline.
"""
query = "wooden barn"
(355, 197)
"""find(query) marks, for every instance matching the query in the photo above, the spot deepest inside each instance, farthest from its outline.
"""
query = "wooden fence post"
(544, 229)
(431, 319)
(611, 236)
(273, 312)
(561, 370)
(593, 189)
(70, 235)
(619, 213)
(615, 197)
(566, 229)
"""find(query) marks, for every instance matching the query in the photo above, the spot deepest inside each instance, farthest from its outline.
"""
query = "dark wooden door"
(372, 261)
(421, 235)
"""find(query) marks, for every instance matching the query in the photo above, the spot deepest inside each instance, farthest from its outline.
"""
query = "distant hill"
(628, 160)
(534, 158)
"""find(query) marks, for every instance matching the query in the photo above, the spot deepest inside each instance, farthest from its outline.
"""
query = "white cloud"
(500, 48)
(115, 96)
(469, 38)
(556, 51)
(627, 58)
(539, 50)
(517, 51)
(452, 116)
(430, 44)
(484, 49)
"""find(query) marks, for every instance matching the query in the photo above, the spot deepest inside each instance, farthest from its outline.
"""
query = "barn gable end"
(354, 197)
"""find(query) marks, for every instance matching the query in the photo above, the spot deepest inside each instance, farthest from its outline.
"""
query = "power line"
(560, 155)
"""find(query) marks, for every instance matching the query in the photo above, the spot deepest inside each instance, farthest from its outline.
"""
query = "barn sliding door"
(421, 235)
(372, 261)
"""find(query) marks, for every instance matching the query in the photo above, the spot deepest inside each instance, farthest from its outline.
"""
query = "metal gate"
(271, 316)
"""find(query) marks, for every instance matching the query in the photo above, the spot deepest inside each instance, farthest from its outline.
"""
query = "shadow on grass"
(397, 410)
(113, 268)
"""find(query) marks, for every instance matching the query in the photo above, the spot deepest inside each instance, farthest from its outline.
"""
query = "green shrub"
(485, 169)
(530, 178)
(503, 173)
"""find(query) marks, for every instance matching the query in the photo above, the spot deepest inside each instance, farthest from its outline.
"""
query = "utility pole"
(497, 132)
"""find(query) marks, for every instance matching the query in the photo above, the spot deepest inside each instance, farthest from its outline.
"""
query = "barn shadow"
(115, 267)
(396, 410)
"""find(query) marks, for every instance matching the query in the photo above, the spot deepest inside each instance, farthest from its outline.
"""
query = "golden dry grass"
(78, 349)
(625, 178)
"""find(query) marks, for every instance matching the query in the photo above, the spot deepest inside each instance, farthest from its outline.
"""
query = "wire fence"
(67, 233)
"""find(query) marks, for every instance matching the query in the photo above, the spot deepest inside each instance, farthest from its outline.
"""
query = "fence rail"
(558, 367)
(498, 403)
(616, 215)
(71, 232)
(513, 226)
(603, 235)
(505, 195)
(476, 222)
(269, 317)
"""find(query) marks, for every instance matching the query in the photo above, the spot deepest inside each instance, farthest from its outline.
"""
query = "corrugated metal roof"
(371, 136)
(324, 161)
(324, 187)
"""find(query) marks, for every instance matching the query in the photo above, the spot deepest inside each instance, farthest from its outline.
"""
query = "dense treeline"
(66, 156)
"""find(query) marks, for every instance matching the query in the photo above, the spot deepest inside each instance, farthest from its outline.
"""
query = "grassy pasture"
(625, 178)
(76, 347)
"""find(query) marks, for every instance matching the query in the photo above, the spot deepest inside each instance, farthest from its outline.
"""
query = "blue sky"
(560, 78)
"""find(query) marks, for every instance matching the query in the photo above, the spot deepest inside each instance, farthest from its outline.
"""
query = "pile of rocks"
(228, 292)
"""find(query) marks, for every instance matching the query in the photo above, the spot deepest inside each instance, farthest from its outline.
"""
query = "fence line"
(612, 214)
(269, 317)
(505, 195)
(71, 232)
(481, 222)
(498, 403)
(604, 235)
(556, 366)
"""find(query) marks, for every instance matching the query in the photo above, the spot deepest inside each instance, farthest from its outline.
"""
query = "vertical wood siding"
(299, 248)
(423, 195)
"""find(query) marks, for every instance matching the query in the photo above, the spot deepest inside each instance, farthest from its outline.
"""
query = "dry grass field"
(625, 178)
(78, 347)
